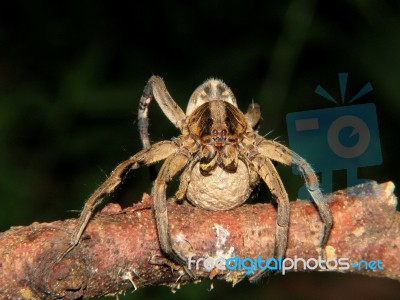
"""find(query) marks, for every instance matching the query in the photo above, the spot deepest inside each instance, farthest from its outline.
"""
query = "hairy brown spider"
(221, 159)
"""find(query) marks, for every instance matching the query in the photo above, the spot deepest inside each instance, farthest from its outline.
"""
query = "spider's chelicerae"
(220, 157)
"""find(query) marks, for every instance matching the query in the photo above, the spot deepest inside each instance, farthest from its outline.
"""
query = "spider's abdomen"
(220, 190)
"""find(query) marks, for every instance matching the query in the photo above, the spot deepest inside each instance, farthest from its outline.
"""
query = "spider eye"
(223, 132)
(215, 132)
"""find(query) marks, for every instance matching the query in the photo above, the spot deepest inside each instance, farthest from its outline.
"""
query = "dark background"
(72, 73)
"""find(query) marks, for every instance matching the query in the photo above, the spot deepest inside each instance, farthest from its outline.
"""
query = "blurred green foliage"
(72, 73)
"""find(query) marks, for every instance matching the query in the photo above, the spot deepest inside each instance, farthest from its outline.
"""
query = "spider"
(221, 159)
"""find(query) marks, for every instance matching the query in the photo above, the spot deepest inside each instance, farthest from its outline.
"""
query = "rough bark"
(120, 250)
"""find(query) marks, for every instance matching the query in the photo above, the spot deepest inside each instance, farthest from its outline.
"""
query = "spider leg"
(269, 174)
(284, 155)
(185, 180)
(171, 166)
(253, 114)
(151, 155)
(143, 119)
(156, 88)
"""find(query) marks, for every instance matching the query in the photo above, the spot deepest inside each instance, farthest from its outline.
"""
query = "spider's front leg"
(284, 155)
(266, 170)
(278, 152)
(158, 151)
(156, 88)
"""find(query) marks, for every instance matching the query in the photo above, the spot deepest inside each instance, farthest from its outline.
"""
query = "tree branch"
(120, 250)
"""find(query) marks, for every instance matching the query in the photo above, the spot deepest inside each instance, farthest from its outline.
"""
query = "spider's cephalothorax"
(218, 127)
(220, 157)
